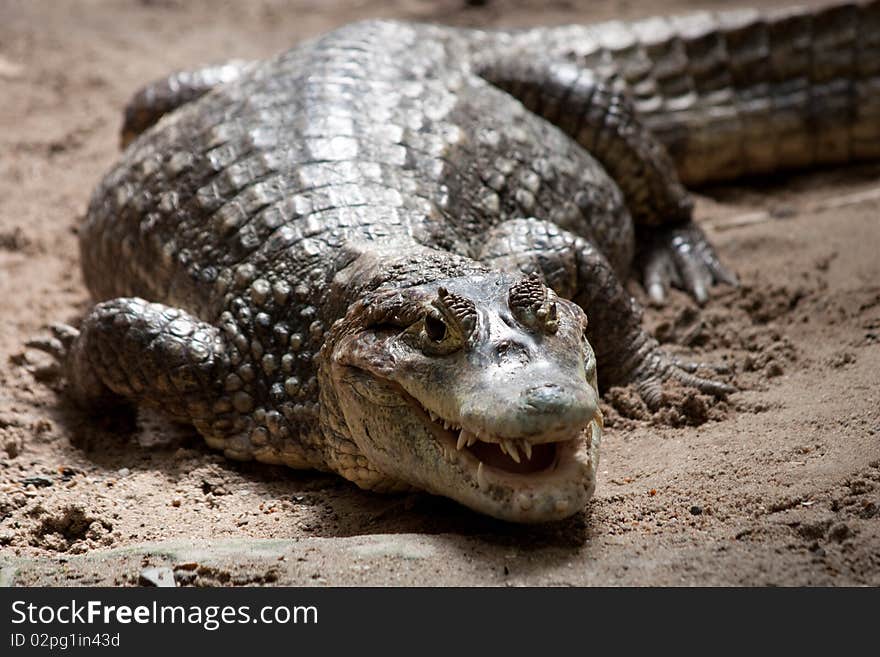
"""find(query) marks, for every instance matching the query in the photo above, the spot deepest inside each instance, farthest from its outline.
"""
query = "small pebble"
(39, 481)
(160, 576)
(840, 532)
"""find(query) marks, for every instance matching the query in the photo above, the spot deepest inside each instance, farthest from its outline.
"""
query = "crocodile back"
(378, 131)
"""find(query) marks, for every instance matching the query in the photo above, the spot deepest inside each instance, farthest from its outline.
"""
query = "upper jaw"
(469, 434)
(516, 448)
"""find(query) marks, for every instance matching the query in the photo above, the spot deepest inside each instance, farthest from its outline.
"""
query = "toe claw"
(657, 293)
(708, 386)
(58, 344)
(698, 292)
(685, 365)
(658, 275)
(723, 275)
(51, 346)
(65, 333)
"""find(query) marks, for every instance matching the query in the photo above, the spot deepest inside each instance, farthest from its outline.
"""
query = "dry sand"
(778, 485)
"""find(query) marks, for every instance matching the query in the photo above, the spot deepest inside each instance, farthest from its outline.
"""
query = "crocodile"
(375, 254)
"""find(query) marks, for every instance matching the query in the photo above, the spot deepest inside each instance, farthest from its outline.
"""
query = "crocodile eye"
(435, 328)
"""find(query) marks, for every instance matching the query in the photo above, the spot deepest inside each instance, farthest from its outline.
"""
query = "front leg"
(158, 98)
(573, 267)
(129, 351)
(596, 112)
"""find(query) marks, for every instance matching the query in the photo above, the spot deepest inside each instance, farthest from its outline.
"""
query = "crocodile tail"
(737, 93)
(162, 96)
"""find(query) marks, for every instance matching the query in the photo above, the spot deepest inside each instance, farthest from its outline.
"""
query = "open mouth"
(524, 477)
(537, 478)
(540, 479)
(548, 477)
(529, 469)
(516, 456)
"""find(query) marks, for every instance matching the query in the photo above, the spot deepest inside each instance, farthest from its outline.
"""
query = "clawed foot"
(683, 257)
(58, 344)
(659, 368)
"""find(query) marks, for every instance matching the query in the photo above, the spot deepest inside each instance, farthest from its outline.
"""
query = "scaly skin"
(333, 245)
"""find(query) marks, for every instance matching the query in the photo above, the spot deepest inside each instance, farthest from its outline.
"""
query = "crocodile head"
(481, 389)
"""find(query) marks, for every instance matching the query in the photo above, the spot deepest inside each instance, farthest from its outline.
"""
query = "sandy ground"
(778, 485)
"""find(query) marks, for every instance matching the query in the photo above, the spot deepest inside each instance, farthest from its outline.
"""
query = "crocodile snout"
(556, 405)
(548, 398)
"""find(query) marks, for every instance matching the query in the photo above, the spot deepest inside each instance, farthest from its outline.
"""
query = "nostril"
(547, 398)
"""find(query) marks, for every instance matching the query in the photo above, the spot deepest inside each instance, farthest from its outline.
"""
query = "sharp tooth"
(503, 446)
(481, 477)
(472, 439)
(527, 448)
(511, 449)
(462, 440)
